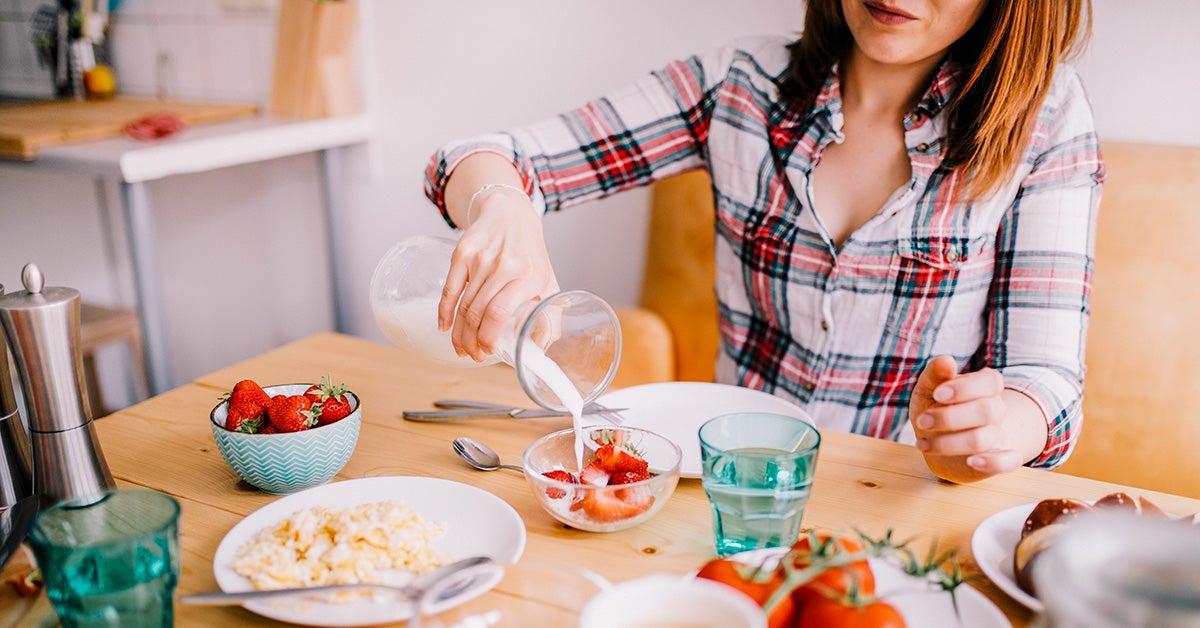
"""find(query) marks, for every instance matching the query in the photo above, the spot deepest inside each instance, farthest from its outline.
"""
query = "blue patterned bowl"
(288, 462)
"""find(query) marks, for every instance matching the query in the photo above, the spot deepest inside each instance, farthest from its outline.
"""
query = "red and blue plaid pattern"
(845, 332)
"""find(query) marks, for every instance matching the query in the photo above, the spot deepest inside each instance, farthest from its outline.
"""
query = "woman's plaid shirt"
(844, 332)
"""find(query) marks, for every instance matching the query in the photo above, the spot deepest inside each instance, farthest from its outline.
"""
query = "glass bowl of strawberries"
(626, 476)
(286, 438)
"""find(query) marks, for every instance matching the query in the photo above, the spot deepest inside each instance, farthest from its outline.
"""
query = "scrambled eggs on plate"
(323, 545)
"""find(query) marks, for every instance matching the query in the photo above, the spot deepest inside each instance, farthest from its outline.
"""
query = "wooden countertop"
(165, 444)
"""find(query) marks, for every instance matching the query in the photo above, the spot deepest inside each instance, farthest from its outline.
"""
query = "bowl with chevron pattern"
(284, 463)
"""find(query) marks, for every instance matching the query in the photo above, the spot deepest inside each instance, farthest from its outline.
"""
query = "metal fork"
(612, 416)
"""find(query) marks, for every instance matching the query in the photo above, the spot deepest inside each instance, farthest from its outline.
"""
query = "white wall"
(1141, 71)
(437, 70)
(448, 74)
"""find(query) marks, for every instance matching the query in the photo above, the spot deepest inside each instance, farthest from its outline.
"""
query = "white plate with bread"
(995, 540)
(994, 544)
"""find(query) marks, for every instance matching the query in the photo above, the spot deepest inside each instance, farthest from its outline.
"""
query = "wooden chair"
(672, 335)
(1140, 425)
(101, 326)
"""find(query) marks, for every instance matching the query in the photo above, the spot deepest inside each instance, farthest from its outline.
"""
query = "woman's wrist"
(486, 190)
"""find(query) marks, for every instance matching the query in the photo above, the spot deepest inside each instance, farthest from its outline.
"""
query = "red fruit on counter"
(244, 416)
(292, 413)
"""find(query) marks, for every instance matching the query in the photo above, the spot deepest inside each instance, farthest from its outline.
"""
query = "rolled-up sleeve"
(1040, 296)
(640, 133)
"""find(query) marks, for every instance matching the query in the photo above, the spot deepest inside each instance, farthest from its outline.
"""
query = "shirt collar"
(942, 89)
(829, 99)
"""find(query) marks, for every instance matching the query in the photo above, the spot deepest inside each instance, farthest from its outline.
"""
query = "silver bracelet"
(490, 186)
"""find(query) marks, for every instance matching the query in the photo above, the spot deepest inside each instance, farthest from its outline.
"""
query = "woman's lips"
(887, 15)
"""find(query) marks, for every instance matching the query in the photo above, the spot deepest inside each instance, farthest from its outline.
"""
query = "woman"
(905, 197)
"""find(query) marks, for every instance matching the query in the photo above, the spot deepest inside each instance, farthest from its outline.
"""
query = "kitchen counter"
(199, 148)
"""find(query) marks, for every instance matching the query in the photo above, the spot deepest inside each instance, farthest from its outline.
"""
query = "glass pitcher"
(565, 348)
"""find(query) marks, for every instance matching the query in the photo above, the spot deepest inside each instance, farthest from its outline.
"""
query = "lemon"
(100, 81)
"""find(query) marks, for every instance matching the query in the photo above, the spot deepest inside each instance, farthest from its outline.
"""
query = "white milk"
(414, 324)
(534, 359)
(419, 318)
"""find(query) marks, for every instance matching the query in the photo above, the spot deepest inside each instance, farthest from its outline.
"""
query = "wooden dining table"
(872, 485)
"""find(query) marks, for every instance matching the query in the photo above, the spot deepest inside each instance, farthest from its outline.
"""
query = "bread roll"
(1028, 550)
(1050, 511)
(1047, 520)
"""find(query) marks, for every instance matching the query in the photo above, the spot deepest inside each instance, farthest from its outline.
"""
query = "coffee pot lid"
(36, 295)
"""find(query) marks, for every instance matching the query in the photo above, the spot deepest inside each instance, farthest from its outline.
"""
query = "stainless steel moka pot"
(16, 466)
(41, 325)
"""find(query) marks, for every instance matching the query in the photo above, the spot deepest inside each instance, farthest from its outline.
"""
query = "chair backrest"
(680, 272)
(1141, 426)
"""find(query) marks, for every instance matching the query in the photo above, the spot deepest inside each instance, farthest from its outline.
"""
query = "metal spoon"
(412, 591)
(479, 455)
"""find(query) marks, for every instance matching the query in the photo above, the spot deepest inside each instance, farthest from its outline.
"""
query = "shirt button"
(910, 119)
(922, 147)
(824, 325)
(951, 255)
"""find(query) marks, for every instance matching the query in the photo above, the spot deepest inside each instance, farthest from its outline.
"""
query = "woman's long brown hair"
(1007, 59)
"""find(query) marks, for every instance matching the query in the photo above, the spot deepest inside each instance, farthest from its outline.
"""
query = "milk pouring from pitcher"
(41, 325)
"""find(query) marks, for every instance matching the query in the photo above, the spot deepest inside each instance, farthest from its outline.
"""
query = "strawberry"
(334, 409)
(562, 476)
(292, 413)
(594, 474)
(244, 416)
(628, 477)
(638, 496)
(608, 506)
(334, 403)
(248, 391)
(615, 458)
(269, 429)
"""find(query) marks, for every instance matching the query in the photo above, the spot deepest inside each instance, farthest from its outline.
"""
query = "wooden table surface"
(165, 444)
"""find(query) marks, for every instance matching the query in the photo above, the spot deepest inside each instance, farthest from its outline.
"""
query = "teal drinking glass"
(111, 559)
(757, 472)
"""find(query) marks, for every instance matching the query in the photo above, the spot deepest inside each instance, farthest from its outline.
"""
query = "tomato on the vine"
(836, 581)
(823, 612)
(757, 585)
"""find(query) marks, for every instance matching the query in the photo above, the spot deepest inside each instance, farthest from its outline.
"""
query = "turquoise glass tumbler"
(111, 559)
(758, 471)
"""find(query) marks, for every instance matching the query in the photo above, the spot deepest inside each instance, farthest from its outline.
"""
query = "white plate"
(993, 544)
(678, 409)
(917, 602)
(476, 522)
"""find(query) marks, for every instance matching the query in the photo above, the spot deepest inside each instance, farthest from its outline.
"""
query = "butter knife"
(454, 409)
